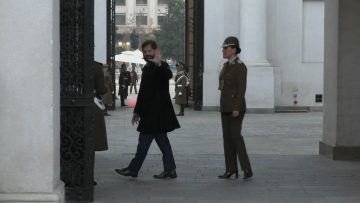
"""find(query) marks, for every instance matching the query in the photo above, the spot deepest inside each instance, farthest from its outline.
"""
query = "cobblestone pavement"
(283, 149)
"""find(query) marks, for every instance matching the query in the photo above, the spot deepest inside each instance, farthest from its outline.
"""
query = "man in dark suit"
(153, 113)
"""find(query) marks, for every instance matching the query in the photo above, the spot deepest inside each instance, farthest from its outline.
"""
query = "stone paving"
(283, 149)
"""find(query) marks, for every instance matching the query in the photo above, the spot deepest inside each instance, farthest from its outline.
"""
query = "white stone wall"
(231, 18)
(30, 110)
(100, 31)
(281, 45)
(296, 48)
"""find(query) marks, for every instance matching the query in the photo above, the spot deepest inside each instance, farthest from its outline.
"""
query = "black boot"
(182, 108)
(166, 174)
(227, 175)
(247, 175)
(126, 172)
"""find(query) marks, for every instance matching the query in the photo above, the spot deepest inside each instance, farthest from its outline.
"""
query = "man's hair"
(148, 42)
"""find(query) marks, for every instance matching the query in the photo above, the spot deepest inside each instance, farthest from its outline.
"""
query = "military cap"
(230, 41)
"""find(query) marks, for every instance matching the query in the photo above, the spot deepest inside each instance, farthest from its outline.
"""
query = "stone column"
(131, 12)
(341, 138)
(30, 109)
(100, 31)
(253, 41)
(152, 14)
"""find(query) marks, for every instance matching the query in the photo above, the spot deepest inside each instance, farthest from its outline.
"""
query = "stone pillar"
(341, 138)
(30, 109)
(152, 14)
(100, 31)
(131, 12)
(247, 20)
(253, 41)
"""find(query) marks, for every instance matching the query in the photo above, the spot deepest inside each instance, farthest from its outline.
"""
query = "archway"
(77, 56)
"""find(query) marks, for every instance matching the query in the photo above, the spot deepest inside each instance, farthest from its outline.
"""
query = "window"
(161, 20)
(120, 19)
(120, 2)
(162, 1)
(141, 2)
(141, 20)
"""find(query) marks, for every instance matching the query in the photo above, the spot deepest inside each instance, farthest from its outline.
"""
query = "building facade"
(282, 45)
(143, 16)
(274, 44)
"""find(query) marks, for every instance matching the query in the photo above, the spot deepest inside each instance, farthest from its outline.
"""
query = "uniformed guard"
(232, 84)
(181, 84)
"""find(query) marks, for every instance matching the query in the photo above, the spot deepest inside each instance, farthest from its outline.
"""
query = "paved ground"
(283, 149)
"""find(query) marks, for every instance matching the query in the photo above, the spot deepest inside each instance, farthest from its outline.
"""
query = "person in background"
(180, 89)
(134, 80)
(100, 137)
(107, 97)
(124, 82)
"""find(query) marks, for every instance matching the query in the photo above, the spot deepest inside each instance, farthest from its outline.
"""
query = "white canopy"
(131, 57)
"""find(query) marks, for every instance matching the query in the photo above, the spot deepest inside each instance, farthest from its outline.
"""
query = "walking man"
(153, 113)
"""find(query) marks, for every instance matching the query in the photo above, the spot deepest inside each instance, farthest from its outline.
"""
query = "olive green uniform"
(232, 84)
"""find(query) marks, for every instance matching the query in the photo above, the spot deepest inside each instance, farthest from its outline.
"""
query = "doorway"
(77, 86)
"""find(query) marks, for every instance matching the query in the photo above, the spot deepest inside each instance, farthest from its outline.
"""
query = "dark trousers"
(122, 99)
(182, 108)
(145, 141)
(131, 86)
(234, 145)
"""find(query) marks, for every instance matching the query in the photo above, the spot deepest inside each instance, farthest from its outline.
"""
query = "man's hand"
(157, 58)
(235, 114)
(135, 119)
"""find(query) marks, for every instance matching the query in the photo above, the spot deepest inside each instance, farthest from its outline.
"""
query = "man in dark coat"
(153, 113)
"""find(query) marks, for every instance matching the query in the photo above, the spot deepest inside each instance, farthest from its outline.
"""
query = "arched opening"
(77, 56)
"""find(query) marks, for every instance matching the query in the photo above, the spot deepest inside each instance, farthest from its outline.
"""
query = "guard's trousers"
(234, 145)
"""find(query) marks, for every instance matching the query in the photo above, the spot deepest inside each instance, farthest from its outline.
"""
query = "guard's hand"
(157, 58)
(135, 119)
(235, 114)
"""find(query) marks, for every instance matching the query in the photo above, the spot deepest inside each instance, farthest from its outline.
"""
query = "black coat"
(154, 103)
(99, 125)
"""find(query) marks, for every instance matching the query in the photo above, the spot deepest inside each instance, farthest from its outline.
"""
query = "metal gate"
(110, 55)
(194, 41)
(77, 92)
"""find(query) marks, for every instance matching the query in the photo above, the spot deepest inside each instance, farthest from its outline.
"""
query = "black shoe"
(227, 175)
(247, 175)
(123, 105)
(94, 183)
(180, 114)
(106, 114)
(126, 172)
(166, 174)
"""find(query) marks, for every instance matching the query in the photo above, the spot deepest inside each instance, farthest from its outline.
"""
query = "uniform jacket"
(107, 97)
(153, 102)
(124, 82)
(181, 89)
(100, 141)
(232, 84)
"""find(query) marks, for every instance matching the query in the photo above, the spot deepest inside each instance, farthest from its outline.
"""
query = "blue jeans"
(145, 141)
